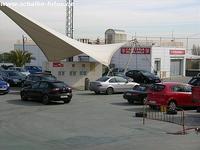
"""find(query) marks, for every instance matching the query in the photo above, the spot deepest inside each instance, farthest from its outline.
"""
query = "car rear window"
(157, 87)
(103, 79)
(49, 78)
(140, 88)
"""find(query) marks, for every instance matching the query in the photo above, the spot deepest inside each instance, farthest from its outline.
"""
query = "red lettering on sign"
(136, 50)
(177, 52)
(58, 64)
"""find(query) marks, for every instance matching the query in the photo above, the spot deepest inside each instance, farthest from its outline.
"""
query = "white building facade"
(166, 61)
(75, 74)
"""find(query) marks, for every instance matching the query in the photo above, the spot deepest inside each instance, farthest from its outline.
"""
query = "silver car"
(111, 84)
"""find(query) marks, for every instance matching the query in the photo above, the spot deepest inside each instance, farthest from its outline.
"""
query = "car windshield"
(49, 78)
(188, 88)
(21, 69)
(146, 73)
(140, 88)
(13, 73)
(103, 79)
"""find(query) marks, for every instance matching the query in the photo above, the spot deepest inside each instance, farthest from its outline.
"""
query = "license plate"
(64, 96)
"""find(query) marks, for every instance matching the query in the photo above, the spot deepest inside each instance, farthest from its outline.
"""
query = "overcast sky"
(92, 18)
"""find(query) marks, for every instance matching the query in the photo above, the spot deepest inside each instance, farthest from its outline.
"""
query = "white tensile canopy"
(57, 46)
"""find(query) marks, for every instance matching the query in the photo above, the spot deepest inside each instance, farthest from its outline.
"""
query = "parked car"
(33, 69)
(47, 91)
(4, 86)
(14, 78)
(111, 84)
(142, 76)
(32, 78)
(195, 81)
(171, 94)
(20, 69)
(196, 92)
(137, 94)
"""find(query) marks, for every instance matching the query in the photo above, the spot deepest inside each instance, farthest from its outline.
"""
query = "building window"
(61, 73)
(72, 73)
(83, 58)
(83, 73)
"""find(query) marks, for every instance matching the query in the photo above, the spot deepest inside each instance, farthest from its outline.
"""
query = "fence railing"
(176, 116)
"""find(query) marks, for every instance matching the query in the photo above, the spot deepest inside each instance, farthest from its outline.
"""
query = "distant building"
(75, 74)
(115, 36)
(31, 47)
(166, 61)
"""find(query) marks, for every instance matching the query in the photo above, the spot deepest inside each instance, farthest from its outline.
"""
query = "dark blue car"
(33, 69)
(4, 86)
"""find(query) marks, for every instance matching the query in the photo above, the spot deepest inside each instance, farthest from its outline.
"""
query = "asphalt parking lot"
(89, 122)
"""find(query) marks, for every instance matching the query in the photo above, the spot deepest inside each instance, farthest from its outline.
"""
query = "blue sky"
(92, 18)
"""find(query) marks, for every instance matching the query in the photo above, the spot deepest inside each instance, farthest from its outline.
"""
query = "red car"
(171, 94)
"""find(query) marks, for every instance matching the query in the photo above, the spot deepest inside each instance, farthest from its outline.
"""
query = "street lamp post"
(133, 45)
(23, 41)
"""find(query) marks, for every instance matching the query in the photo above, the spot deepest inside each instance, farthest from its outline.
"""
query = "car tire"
(130, 101)
(172, 105)
(198, 109)
(23, 97)
(45, 100)
(109, 91)
(66, 101)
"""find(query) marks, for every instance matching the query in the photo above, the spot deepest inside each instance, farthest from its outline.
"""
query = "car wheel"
(66, 101)
(23, 96)
(45, 100)
(198, 109)
(172, 105)
(130, 101)
(109, 91)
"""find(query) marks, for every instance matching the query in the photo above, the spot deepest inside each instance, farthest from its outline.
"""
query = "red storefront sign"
(177, 52)
(58, 64)
(136, 50)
